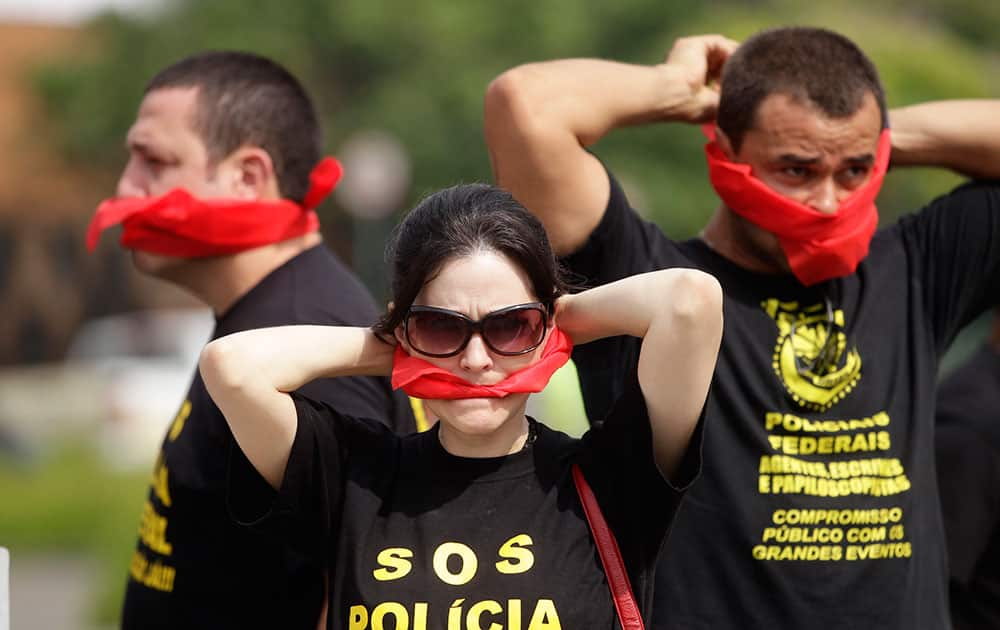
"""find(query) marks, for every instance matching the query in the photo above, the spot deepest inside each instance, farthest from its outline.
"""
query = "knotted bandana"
(421, 379)
(180, 224)
(818, 246)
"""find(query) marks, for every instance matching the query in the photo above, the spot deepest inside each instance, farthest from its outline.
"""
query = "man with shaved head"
(817, 506)
(218, 198)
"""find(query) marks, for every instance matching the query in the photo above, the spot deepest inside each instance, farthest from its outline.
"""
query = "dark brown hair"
(246, 99)
(811, 65)
(460, 221)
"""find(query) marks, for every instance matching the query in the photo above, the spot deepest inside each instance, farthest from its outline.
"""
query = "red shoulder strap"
(611, 557)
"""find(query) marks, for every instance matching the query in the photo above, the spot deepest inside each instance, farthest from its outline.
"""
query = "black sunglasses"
(439, 332)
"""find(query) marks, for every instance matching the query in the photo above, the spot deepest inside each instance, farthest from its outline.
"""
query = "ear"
(723, 142)
(401, 339)
(251, 174)
(398, 331)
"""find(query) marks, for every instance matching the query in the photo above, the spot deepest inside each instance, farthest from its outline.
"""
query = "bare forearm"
(678, 315)
(539, 118)
(287, 357)
(631, 306)
(625, 307)
(248, 375)
(587, 98)
(961, 135)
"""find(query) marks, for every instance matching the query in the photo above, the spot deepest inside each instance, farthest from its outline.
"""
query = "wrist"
(380, 351)
(678, 97)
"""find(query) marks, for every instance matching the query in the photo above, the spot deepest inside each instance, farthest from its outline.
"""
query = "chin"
(156, 265)
(478, 416)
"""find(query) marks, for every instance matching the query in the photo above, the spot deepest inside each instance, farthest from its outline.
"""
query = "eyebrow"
(864, 159)
(798, 159)
(142, 147)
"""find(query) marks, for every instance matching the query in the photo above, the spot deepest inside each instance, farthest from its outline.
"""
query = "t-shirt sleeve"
(305, 510)
(956, 240)
(623, 244)
(365, 397)
(637, 501)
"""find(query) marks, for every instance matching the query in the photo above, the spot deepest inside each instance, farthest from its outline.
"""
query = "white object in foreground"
(4, 589)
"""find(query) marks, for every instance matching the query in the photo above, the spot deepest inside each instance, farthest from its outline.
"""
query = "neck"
(743, 243)
(220, 281)
(509, 438)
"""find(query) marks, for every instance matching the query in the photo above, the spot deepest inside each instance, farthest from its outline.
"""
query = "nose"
(825, 197)
(130, 183)
(476, 356)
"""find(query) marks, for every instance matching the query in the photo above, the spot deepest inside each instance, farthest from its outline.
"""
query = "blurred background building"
(94, 357)
(47, 284)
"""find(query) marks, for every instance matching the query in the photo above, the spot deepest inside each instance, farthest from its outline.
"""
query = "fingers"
(706, 43)
(716, 54)
(702, 55)
(698, 61)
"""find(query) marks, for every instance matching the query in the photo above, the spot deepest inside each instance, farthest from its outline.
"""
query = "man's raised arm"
(961, 135)
(541, 117)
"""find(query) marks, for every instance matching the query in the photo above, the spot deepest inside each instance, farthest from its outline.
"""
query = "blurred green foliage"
(418, 69)
(69, 501)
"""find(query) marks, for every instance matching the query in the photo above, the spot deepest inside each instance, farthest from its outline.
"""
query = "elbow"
(697, 301)
(221, 367)
(503, 93)
(512, 106)
(502, 104)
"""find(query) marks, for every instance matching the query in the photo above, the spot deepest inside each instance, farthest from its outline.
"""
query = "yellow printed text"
(483, 615)
(153, 530)
(802, 484)
(828, 445)
(154, 574)
(794, 424)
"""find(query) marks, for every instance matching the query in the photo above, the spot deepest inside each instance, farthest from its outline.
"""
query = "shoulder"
(554, 441)
(326, 290)
(955, 205)
(320, 417)
(622, 243)
(626, 422)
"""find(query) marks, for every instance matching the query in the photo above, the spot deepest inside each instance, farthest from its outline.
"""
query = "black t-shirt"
(817, 507)
(416, 537)
(968, 458)
(193, 566)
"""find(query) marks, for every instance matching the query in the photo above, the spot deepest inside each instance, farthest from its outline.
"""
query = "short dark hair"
(244, 98)
(460, 221)
(811, 65)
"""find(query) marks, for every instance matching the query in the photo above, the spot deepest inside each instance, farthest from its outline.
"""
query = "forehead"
(786, 125)
(165, 114)
(477, 283)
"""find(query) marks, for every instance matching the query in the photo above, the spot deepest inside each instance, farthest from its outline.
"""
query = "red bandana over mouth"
(180, 224)
(421, 379)
(818, 246)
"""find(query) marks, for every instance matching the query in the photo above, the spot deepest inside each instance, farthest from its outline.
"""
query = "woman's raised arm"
(678, 315)
(249, 375)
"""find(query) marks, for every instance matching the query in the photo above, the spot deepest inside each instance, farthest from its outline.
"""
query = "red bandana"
(180, 224)
(818, 246)
(421, 379)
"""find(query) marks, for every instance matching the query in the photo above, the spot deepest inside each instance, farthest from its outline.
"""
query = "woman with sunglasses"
(477, 523)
